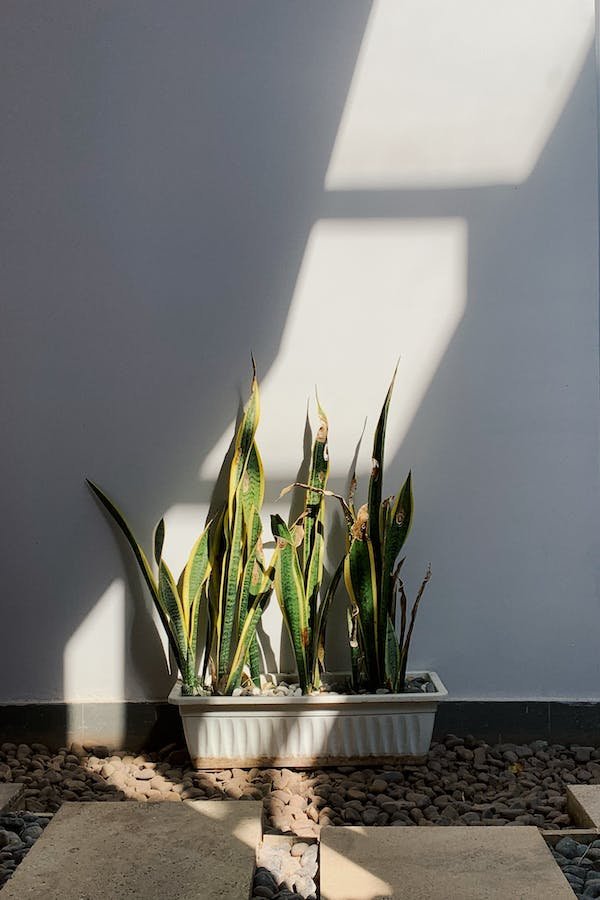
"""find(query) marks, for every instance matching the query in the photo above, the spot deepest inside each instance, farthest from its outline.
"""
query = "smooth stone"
(32, 831)
(264, 891)
(593, 891)
(567, 847)
(10, 839)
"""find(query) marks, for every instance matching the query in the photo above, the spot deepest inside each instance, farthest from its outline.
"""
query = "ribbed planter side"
(321, 730)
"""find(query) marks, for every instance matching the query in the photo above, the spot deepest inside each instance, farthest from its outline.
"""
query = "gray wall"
(163, 169)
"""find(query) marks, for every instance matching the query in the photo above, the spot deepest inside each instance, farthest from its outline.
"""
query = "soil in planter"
(417, 684)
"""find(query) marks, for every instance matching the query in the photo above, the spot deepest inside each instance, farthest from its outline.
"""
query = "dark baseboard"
(137, 726)
(131, 726)
(520, 721)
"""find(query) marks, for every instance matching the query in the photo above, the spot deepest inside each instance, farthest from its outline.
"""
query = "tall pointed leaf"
(360, 576)
(171, 601)
(244, 440)
(159, 540)
(196, 572)
(318, 653)
(140, 556)
(398, 525)
(376, 480)
(289, 588)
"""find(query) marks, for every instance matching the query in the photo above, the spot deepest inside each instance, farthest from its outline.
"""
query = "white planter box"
(319, 730)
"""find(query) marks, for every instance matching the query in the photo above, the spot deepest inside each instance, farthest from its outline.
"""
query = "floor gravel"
(464, 781)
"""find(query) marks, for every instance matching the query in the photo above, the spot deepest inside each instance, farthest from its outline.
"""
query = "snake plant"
(240, 585)
(225, 573)
(299, 569)
(376, 533)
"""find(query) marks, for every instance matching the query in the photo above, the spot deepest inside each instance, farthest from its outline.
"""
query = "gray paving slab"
(9, 794)
(470, 863)
(583, 804)
(199, 850)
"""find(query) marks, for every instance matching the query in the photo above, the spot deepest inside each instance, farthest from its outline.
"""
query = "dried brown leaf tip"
(322, 432)
(298, 535)
(359, 528)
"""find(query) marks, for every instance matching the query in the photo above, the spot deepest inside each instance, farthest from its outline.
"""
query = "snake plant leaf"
(247, 633)
(253, 566)
(354, 648)
(405, 647)
(317, 478)
(171, 601)
(289, 588)
(159, 540)
(253, 482)
(360, 576)
(140, 556)
(376, 480)
(233, 577)
(392, 655)
(399, 521)
(197, 570)
(318, 655)
(260, 593)
(244, 440)
(313, 543)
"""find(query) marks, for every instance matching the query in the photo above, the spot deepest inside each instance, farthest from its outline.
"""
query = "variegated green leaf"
(318, 654)
(392, 656)
(317, 478)
(159, 540)
(140, 556)
(234, 572)
(172, 603)
(253, 482)
(376, 480)
(260, 593)
(244, 440)
(360, 576)
(399, 521)
(289, 588)
(196, 572)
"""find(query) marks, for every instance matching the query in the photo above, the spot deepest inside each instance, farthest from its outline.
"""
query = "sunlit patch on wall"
(457, 94)
(368, 292)
(94, 663)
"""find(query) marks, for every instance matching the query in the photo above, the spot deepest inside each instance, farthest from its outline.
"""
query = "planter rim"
(317, 700)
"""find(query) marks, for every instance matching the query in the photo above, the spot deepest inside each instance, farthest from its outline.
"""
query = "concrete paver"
(470, 863)
(583, 804)
(197, 850)
(9, 794)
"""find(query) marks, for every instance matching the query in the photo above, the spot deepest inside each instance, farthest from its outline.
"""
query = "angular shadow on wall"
(164, 171)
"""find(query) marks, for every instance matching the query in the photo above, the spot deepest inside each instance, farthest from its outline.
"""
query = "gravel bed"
(580, 864)
(286, 870)
(18, 832)
(464, 782)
